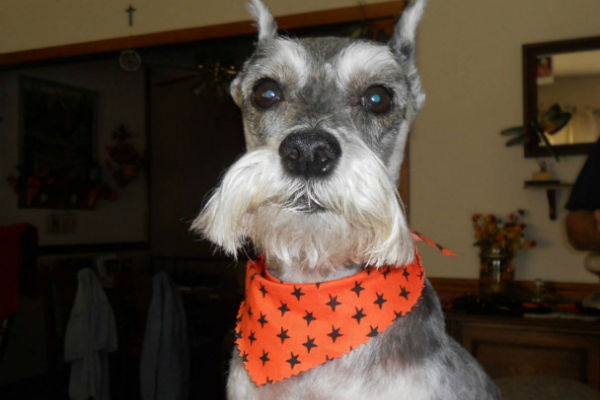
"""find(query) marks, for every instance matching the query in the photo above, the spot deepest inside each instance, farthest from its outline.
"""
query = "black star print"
(404, 293)
(269, 380)
(327, 358)
(373, 332)
(380, 300)
(386, 272)
(357, 288)
(252, 277)
(333, 302)
(359, 315)
(420, 275)
(398, 315)
(334, 334)
(283, 335)
(297, 292)
(262, 320)
(249, 312)
(245, 357)
(265, 357)
(308, 318)
(309, 344)
(251, 337)
(405, 273)
(263, 290)
(284, 308)
(318, 284)
(293, 360)
(238, 320)
(238, 334)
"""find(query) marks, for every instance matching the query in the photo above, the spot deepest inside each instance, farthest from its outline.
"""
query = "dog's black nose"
(310, 153)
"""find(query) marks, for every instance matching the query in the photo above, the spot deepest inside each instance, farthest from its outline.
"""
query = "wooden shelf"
(544, 185)
(550, 187)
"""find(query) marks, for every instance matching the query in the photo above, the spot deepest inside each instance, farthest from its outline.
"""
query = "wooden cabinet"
(510, 346)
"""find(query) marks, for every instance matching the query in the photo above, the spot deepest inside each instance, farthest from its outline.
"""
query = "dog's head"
(325, 121)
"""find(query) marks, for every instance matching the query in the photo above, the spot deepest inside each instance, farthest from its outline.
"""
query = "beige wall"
(470, 61)
(40, 23)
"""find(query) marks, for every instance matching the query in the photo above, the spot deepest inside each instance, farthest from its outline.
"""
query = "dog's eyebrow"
(290, 53)
(365, 57)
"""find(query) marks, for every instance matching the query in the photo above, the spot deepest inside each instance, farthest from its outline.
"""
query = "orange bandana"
(285, 328)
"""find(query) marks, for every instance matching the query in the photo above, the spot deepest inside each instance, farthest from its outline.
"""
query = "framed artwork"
(543, 70)
(58, 132)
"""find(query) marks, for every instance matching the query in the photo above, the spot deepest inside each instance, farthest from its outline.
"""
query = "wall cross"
(130, 11)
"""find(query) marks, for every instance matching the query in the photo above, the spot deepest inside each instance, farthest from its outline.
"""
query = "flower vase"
(496, 271)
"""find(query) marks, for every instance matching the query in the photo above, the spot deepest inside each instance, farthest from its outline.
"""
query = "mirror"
(561, 83)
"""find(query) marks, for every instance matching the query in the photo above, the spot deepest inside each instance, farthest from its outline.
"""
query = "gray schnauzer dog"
(325, 122)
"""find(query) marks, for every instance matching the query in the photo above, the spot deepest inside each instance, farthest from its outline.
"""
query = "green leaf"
(554, 119)
(515, 130)
(522, 138)
(553, 112)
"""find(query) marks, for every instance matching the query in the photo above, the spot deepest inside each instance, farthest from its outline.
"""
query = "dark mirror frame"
(530, 95)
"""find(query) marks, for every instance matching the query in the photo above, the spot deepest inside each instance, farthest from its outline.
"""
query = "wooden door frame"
(390, 9)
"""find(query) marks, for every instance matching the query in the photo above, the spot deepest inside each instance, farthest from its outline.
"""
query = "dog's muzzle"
(310, 154)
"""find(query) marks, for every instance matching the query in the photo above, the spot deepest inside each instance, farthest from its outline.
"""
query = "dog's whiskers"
(304, 200)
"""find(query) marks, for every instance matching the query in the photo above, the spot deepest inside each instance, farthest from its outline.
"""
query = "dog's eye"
(266, 93)
(377, 99)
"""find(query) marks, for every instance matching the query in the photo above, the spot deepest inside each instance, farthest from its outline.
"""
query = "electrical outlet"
(69, 223)
(62, 223)
(54, 224)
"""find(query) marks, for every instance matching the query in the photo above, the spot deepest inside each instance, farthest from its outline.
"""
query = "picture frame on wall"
(58, 126)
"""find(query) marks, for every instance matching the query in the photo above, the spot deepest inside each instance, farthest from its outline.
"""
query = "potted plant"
(498, 241)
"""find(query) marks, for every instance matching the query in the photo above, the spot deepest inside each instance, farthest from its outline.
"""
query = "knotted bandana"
(285, 328)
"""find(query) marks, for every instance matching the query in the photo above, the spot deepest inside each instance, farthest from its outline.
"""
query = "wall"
(37, 23)
(470, 61)
(120, 100)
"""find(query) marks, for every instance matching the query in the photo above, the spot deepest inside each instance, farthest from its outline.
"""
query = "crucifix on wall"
(130, 11)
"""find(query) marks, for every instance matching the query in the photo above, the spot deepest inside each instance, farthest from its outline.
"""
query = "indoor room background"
(470, 61)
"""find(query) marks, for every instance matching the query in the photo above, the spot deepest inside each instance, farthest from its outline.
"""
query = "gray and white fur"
(326, 121)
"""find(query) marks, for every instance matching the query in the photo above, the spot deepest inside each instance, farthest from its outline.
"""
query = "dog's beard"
(354, 216)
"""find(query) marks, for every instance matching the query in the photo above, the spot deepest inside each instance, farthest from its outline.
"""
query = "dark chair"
(26, 269)
(4, 325)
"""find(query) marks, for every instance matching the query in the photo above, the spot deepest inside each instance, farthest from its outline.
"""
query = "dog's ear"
(267, 27)
(405, 32)
(403, 43)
